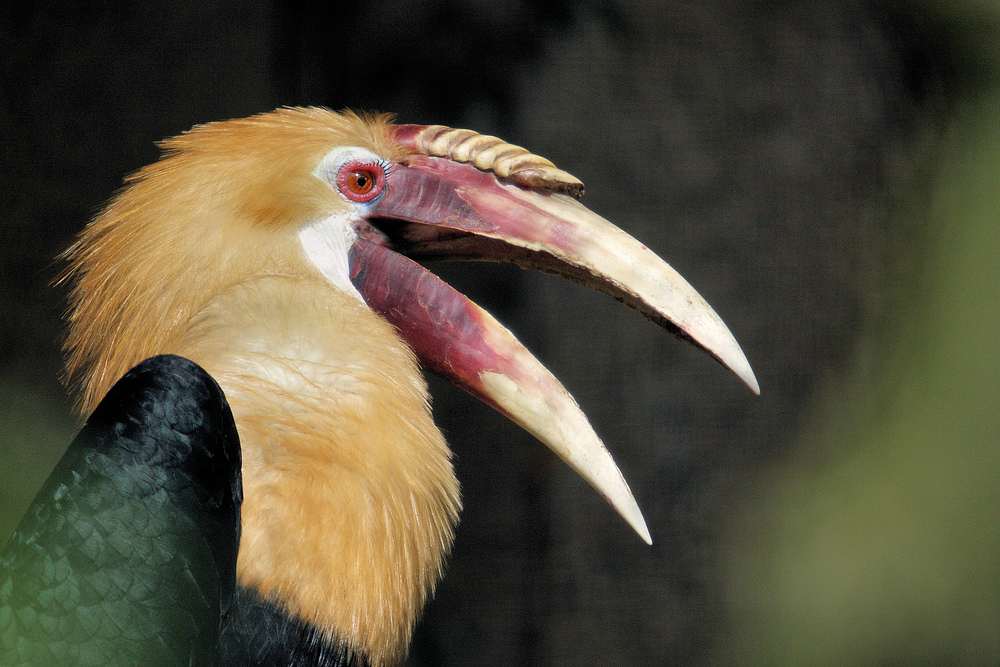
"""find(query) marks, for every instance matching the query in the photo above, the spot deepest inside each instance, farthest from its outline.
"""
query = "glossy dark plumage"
(259, 633)
(127, 555)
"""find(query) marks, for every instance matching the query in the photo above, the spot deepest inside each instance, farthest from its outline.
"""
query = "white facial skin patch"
(327, 244)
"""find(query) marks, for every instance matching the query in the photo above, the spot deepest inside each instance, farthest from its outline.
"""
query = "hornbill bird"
(277, 253)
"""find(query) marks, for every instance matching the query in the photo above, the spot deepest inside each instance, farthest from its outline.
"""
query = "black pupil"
(362, 179)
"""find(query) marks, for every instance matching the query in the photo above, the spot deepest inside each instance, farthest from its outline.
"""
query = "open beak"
(445, 201)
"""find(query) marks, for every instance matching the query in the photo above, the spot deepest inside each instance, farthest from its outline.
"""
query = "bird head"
(278, 252)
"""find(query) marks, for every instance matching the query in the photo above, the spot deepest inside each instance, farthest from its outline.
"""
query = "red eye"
(361, 181)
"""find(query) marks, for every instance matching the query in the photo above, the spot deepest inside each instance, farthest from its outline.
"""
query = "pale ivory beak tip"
(719, 342)
(629, 510)
(643, 532)
(745, 373)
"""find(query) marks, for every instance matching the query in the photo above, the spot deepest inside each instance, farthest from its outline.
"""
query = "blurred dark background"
(823, 172)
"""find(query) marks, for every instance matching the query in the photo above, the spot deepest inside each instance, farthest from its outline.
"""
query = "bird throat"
(350, 500)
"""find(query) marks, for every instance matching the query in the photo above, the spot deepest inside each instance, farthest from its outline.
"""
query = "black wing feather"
(127, 555)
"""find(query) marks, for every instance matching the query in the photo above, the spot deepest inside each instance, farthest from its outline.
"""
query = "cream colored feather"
(350, 498)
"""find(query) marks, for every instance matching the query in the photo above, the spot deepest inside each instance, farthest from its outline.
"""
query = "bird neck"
(350, 500)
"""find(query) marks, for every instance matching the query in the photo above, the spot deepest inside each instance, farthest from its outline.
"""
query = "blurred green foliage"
(35, 428)
(878, 542)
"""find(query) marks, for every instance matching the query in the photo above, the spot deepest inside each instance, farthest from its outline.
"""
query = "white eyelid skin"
(335, 159)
